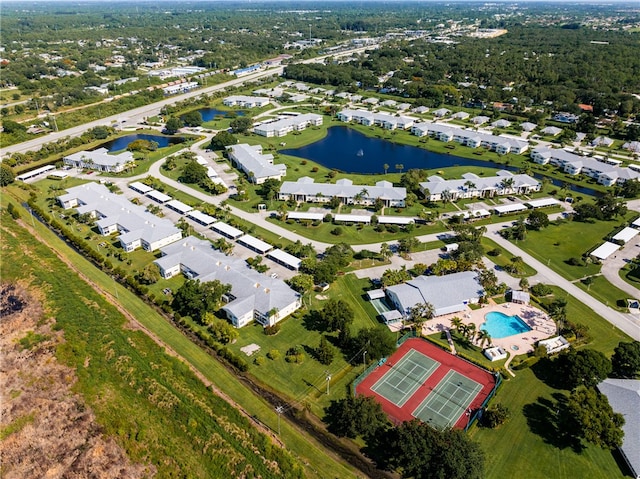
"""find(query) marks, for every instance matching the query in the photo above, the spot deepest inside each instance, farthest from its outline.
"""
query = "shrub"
(494, 252)
(337, 231)
(495, 415)
(541, 289)
(273, 354)
(272, 330)
(259, 361)
(575, 261)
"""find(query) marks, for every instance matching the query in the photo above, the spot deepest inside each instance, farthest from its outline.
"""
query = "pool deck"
(542, 327)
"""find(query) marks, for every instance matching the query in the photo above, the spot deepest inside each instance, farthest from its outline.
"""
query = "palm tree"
(399, 167)
(469, 185)
(385, 167)
(507, 183)
(483, 337)
(456, 322)
(385, 251)
(471, 331)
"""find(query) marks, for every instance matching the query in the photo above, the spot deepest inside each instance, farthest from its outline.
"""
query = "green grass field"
(504, 258)
(93, 329)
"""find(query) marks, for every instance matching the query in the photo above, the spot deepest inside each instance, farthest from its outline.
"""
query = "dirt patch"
(46, 430)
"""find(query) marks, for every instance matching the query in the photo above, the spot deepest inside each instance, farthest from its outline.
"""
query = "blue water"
(122, 142)
(209, 114)
(499, 325)
(348, 150)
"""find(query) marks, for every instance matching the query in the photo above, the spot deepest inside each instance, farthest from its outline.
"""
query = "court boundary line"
(436, 394)
(384, 380)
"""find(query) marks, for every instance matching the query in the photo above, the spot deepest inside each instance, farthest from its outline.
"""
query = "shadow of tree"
(549, 372)
(312, 321)
(550, 419)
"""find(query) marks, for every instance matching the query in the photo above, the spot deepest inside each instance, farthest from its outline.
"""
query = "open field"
(122, 413)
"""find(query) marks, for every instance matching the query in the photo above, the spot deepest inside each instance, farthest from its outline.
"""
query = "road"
(628, 323)
(137, 114)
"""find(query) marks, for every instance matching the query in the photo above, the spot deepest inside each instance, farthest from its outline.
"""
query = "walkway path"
(450, 341)
(628, 323)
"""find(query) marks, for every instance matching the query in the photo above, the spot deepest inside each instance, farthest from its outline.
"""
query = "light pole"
(279, 410)
(364, 363)
(328, 381)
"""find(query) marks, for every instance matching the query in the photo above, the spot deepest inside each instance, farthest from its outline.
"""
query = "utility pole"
(279, 410)
(328, 381)
(364, 363)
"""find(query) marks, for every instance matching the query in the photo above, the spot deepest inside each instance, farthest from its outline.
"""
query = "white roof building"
(305, 215)
(178, 206)
(202, 218)
(246, 101)
(551, 130)
(473, 186)
(542, 203)
(508, 209)
(447, 294)
(114, 213)
(605, 173)
(626, 235)
(140, 187)
(624, 398)
(227, 230)
(385, 120)
(254, 296)
(285, 259)
(255, 244)
(258, 167)
(286, 125)
(471, 138)
(99, 160)
(605, 250)
(306, 190)
(528, 126)
(158, 196)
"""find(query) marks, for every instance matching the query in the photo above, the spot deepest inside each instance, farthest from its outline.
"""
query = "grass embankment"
(154, 405)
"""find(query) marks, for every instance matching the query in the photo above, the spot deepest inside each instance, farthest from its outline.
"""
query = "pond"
(350, 151)
(209, 114)
(122, 142)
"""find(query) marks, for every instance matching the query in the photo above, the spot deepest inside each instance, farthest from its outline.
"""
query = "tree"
(149, 275)
(192, 118)
(241, 124)
(355, 416)
(378, 343)
(586, 367)
(10, 126)
(270, 189)
(395, 276)
(626, 359)
(6, 175)
(336, 314)
(419, 313)
(223, 245)
(495, 415)
(483, 337)
(220, 330)
(194, 298)
(591, 418)
(325, 352)
(422, 452)
(302, 283)
(173, 125)
(221, 140)
(488, 280)
(407, 245)
(193, 173)
(386, 168)
(385, 251)
(538, 220)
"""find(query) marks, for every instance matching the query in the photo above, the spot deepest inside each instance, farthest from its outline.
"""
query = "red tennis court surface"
(448, 362)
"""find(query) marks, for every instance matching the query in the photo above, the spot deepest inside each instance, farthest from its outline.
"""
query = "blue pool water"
(499, 325)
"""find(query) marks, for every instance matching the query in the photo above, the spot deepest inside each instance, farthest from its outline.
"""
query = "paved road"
(613, 264)
(628, 323)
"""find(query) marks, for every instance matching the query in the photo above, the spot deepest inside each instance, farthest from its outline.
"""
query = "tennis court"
(405, 377)
(449, 399)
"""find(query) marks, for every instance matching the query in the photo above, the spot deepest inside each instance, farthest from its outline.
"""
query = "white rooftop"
(255, 243)
(543, 202)
(158, 196)
(285, 258)
(179, 206)
(353, 218)
(305, 215)
(605, 250)
(626, 234)
(140, 187)
(502, 209)
(227, 230)
(201, 217)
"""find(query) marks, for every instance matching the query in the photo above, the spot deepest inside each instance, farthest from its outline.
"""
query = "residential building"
(471, 138)
(551, 130)
(284, 126)
(306, 190)
(605, 173)
(528, 126)
(114, 213)
(447, 294)
(602, 141)
(246, 101)
(99, 160)
(387, 121)
(474, 186)
(253, 296)
(461, 115)
(258, 167)
(180, 88)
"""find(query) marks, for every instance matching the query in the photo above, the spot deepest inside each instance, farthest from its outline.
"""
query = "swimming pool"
(499, 325)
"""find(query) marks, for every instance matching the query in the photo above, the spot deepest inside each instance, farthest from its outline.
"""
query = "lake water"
(348, 150)
(122, 142)
(209, 114)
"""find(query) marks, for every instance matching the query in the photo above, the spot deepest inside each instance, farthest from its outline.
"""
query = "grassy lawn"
(606, 293)
(557, 243)
(503, 259)
(305, 383)
(631, 274)
(91, 327)
(525, 446)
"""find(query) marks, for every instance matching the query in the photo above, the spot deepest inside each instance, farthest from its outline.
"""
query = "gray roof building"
(254, 296)
(258, 167)
(305, 189)
(472, 185)
(447, 294)
(114, 213)
(99, 160)
(624, 397)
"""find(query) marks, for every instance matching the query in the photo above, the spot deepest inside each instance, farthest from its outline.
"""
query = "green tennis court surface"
(449, 399)
(405, 377)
